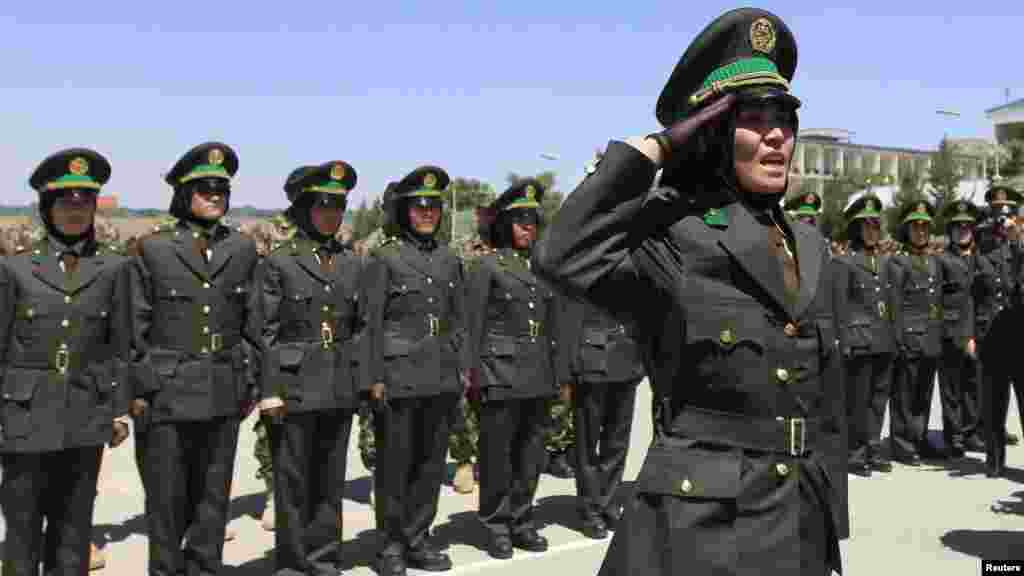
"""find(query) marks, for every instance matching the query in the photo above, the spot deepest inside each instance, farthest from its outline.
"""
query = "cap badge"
(429, 181)
(215, 157)
(337, 172)
(962, 208)
(79, 166)
(762, 35)
(531, 193)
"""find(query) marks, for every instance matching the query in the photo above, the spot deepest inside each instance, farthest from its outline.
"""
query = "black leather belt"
(790, 436)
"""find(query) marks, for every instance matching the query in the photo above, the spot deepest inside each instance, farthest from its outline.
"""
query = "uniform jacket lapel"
(184, 246)
(750, 245)
(222, 253)
(46, 267)
(809, 258)
(307, 260)
(511, 264)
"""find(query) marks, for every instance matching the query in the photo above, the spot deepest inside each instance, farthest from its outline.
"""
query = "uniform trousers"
(996, 400)
(187, 470)
(411, 438)
(604, 420)
(309, 451)
(512, 457)
(59, 487)
(913, 381)
(868, 382)
(953, 371)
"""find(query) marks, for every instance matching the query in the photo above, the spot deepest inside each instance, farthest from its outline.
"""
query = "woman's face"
(763, 146)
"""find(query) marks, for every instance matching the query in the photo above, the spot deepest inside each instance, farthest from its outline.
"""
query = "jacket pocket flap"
(20, 384)
(164, 362)
(102, 376)
(690, 473)
(727, 335)
(500, 348)
(290, 357)
(595, 338)
(394, 347)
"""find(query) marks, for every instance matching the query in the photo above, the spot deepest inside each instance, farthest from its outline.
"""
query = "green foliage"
(1011, 160)
(943, 178)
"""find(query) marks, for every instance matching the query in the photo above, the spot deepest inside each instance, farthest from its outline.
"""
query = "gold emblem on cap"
(215, 157)
(337, 171)
(963, 208)
(79, 166)
(429, 181)
(531, 193)
(762, 35)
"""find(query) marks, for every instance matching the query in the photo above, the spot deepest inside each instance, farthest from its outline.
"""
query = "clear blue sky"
(480, 88)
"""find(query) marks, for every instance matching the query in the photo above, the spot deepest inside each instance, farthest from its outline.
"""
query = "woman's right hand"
(659, 146)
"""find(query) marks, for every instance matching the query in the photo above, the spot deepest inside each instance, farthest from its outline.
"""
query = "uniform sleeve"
(121, 337)
(586, 250)
(569, 338)
(556, 320)
(841, 299)
(270, 302)
(478, 294)
(252, 325)
(360, 337)
(374, 289)
(140, 312)
(836, 373)
(7, 307)
(457, 305)
(897, 277)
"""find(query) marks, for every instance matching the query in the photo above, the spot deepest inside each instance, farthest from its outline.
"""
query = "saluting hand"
(276, 413)
(378, 395)
(138, 408)
(660, 145)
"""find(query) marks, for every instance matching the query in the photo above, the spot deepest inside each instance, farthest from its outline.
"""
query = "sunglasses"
(524, 217)
(208, 187)
(76, 196)
(873, 222)
(334, 201)
(427, 203)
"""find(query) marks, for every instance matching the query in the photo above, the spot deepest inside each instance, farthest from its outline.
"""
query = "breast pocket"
(19, 388)
(296, 307)
(173, 303)
(404, 296)
(594, 352)
(30, 321)
(725, 345)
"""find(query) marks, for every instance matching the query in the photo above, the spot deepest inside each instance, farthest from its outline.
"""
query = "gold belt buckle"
(435, 324)
(534, 328)
(216, 342)
(797, 430)
(881, 310)
(62, 359)
(326, 335)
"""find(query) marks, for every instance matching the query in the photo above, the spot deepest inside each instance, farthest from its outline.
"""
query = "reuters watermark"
(1002, 567)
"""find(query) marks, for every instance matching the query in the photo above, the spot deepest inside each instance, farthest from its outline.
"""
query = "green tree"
(1011, 160)
(367, 219)
(943, 180)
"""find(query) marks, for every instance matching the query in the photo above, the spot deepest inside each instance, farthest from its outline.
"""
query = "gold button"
(103, 314)
(327, 288)
(326, 308)
(531, 305)
(30, 312)
(206, 284)
(726, 337)
(686, 486)
(195, 234)
(205, 350)
(430, 280)
(206, 309)
(206, 329)
(65, 323)
(67, 299)
(790, 329)
(782, 374)
(781, 469)
(174, 292)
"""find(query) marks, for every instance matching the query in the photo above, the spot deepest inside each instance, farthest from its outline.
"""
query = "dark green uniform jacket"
(62, 343)
(735, 482)
(920, 289)
(312, 324)
(414, 306)
(866, 323)
(596, 348)
(195, 324)
(514, 328)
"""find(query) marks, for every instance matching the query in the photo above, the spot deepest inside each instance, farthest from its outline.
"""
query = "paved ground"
(934, 520)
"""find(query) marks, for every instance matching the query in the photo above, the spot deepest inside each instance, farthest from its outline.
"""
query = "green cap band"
(917, 217)
(205, 171)
(868, 212)
(73, 181)
(327, 187)
(423, 193)
(806, 210)
(962, 218)
(744, 72)
(523, 203)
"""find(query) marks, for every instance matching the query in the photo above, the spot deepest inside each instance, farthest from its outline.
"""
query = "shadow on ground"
(987, 544)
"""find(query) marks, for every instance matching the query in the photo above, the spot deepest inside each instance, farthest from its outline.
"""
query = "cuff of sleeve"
(272, 402)
(124, 419)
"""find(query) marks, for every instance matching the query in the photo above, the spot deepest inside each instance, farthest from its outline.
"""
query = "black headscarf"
(181, 205)
(46, 202)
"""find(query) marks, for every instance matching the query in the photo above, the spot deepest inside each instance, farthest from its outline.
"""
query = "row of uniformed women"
(193, 331)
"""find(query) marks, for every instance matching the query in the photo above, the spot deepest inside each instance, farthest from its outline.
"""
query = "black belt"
(791, 436)
(217, 344)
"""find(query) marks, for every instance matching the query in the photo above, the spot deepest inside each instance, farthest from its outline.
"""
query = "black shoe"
(500, 547)
(909, 459)
(391, 565)
(878, 464)
(594, 528)
(993, 470)
(558, 466)
(957, 450)
(927, 451)
(426, 558)
(530, 541)
(612, 516)
(974, 444)
(1011, 439)
(859, 468)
